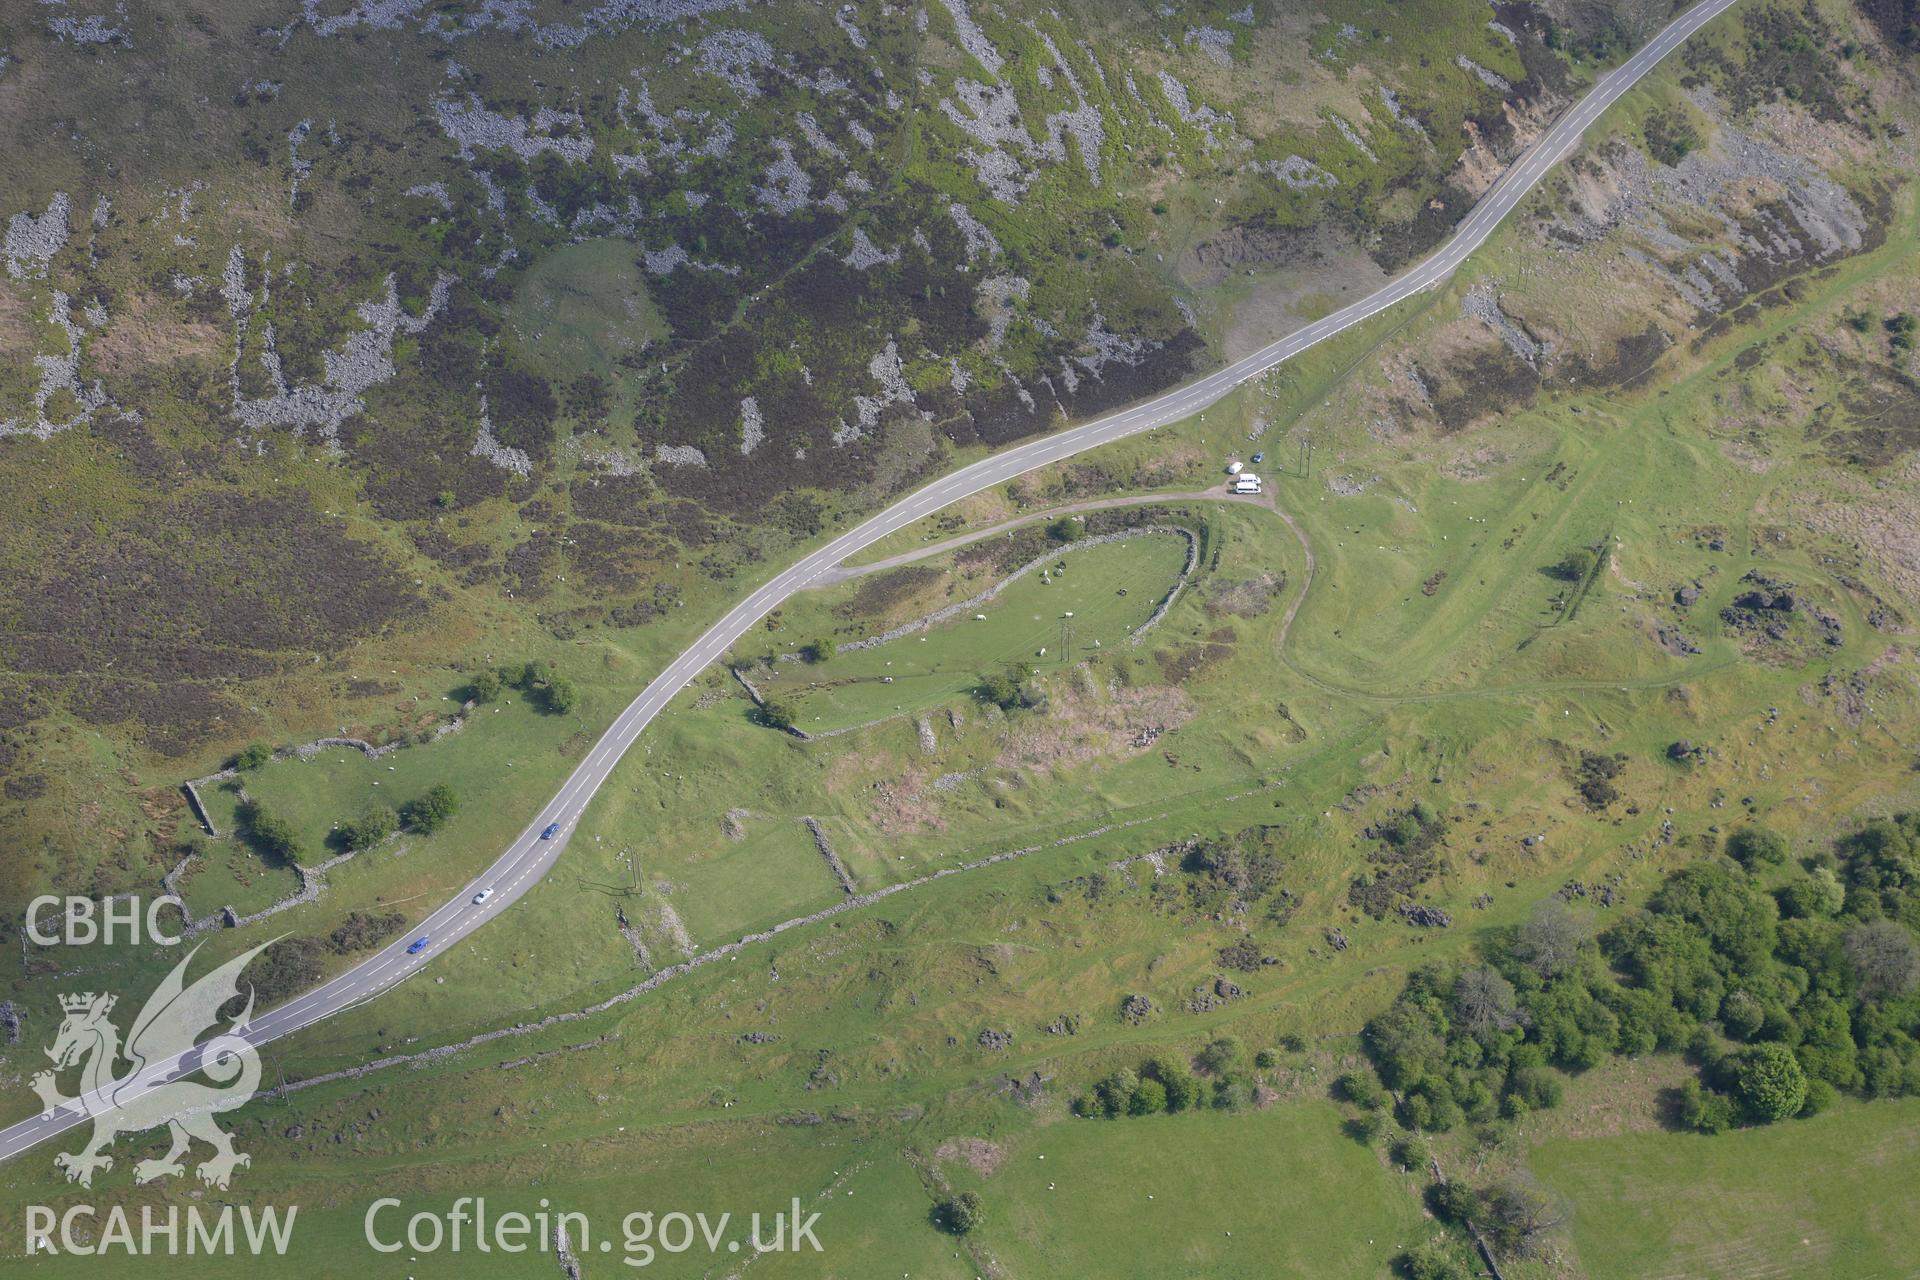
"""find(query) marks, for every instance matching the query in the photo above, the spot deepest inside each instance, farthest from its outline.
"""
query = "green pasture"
(1081, 603)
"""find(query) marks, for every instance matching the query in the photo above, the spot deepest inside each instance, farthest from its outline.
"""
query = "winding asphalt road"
(530, 857)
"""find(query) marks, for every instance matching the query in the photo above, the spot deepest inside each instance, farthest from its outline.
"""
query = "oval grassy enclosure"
(1110, 589)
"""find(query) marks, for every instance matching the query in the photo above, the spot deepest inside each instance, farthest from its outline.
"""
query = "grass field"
(1082, 602)
(583, 307)
(1279, 1193)
(1819, 1197)
(317, 792)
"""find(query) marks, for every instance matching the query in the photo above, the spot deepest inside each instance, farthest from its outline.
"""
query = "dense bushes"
(1168, 1084)
(1593, 779)
(1781, 997)
(362, 929)
(555, 693)
(289, 966)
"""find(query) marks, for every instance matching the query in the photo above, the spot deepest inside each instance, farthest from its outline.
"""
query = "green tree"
(819, 649)
(1769, 1082)
(1411, 1153)
(1454, 1203)
(1753, 845)
(561, 696)
(960, 1214)
(1432, 1262)
(375, 823)
(252, 756)
(1182, 1090)
(430, 812)
(1816, 895)
(1702, 1110)
(1361, 1089)
(1149, 1096)
(778, 713)
(1576, 564)
(486, 686)
(1113, 1093)
(1006, 689)
(269, 833)
(1366, 1127)
(1065, 529)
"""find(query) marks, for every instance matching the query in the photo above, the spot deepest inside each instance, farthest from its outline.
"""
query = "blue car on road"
(553, 829)
(419, 945)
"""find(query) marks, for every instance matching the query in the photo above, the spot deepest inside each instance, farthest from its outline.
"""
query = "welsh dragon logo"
(152, 1092)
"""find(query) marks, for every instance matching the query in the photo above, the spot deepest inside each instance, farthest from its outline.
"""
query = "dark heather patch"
(619, 499)
(1881, 416)
(614, 559)
(1634, 357)
(174, 718)
(210, 587)
(883, 591)
(1488, 383)
(1399, 243)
